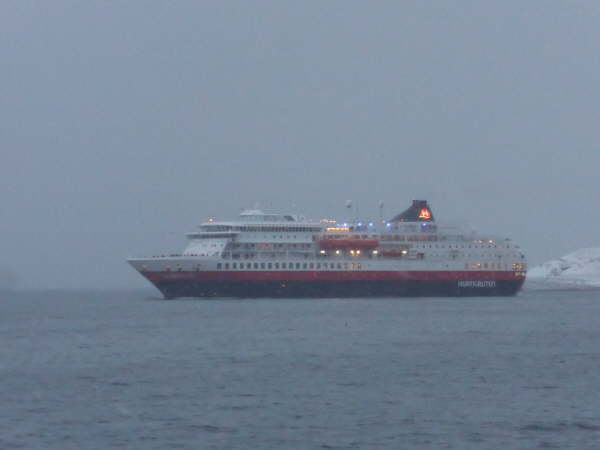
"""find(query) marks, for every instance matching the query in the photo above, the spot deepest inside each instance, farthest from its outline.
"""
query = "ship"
(285, 255)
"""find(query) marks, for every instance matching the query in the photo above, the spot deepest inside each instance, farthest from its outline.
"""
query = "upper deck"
(411, 239)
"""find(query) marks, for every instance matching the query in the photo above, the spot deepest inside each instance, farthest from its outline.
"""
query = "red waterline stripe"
(310, 275)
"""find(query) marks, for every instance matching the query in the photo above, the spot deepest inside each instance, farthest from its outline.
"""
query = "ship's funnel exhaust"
(419, 211)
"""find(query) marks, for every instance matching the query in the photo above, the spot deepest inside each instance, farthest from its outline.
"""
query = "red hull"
(332, 275)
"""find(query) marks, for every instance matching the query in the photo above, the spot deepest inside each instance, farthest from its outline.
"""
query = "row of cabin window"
(470, 255)
(516, 266)
(268, 245)
(277, 265)
(264, 229)
(274, 229)
(348, 236)
(463, 246)
(401, 238)
(306, 255)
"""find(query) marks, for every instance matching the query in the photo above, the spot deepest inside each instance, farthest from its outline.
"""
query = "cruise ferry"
(284, 255)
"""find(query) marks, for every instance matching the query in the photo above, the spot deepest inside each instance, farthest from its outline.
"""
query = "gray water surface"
(104, 370)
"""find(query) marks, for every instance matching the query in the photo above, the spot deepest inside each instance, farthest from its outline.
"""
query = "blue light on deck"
(370, 224)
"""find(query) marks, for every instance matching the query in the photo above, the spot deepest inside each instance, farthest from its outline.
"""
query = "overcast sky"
(125, 124)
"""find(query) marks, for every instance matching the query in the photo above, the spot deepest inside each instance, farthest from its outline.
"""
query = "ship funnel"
(419, 211)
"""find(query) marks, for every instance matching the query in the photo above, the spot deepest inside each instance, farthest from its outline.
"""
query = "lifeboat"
(348, 243)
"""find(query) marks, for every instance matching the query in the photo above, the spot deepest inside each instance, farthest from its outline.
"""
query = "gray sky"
(125, 124)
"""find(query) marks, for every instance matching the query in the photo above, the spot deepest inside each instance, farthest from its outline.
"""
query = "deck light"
(337, 229)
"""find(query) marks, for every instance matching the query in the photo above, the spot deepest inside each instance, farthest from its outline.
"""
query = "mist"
(124, 125)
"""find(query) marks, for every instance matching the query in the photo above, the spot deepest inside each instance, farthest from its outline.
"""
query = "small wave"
(213, 428)
(587, 426)
(351, 384)
(542, 387)
(560, 426)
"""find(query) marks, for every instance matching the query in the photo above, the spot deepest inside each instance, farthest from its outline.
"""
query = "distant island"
(577, 270)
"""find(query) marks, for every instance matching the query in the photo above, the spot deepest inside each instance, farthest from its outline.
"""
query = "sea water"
(105, 370)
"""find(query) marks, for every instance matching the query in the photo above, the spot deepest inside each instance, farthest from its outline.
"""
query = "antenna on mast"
(348, 205)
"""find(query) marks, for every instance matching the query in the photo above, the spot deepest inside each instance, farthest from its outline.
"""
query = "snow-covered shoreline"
(577, 270)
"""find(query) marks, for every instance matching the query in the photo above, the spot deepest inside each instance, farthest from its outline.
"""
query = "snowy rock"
(580, 269)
